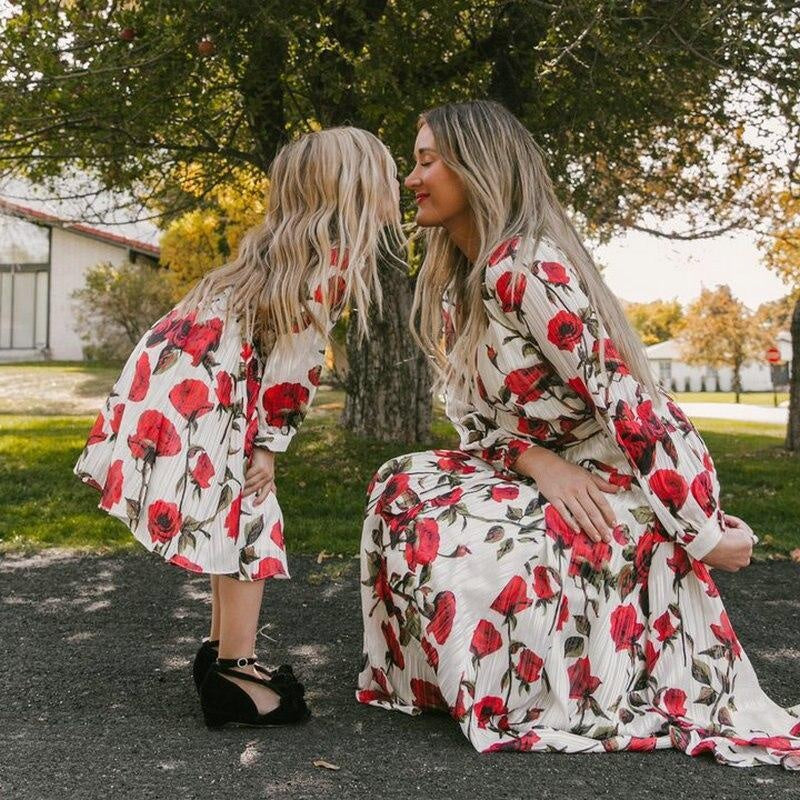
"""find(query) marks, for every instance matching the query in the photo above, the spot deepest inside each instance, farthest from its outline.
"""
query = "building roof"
(671, 350)
(77, 205)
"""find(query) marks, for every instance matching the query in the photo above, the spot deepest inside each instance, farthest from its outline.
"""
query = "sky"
(640, 267)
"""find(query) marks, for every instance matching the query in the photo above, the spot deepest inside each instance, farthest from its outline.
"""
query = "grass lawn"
(322, 480)
(745, 398)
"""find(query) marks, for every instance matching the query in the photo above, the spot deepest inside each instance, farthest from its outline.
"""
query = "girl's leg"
(214, 635)
(239, 608)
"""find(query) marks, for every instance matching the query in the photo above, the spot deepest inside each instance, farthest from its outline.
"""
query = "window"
(24, 283)
(665, 372)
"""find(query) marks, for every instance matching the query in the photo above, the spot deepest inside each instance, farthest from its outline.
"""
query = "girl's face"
(439, 192)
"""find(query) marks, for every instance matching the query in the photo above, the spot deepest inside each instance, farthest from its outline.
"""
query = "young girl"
(547, 583)
(183, 451)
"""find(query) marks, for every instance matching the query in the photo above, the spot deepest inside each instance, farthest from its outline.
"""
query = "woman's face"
(439, 192)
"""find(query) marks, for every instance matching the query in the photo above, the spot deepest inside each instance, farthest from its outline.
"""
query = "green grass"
(322, 480)
(745, 398)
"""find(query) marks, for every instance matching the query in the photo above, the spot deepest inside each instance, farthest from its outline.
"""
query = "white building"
(43, 259)
(676, 375)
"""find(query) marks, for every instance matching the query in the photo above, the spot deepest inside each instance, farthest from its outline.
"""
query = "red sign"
(773, 355)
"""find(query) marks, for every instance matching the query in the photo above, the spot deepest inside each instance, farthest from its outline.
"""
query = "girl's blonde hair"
(510, 194)
(332, 195)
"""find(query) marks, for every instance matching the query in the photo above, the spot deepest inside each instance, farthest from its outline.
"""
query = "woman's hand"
(574, 492)
(260, 475)
(734, 549)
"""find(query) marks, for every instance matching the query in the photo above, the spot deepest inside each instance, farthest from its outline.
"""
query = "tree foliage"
(656, 321)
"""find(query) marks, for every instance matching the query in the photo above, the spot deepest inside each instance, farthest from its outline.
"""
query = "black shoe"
(223, 701)
(207, 655)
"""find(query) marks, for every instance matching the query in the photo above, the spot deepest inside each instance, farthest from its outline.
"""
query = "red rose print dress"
(169, 449)
(479, 600)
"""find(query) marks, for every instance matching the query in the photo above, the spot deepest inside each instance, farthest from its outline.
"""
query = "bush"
(117, 305)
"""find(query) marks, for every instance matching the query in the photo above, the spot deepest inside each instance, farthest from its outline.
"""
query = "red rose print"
(675, 702)
(314, 375)
(444, 612)
(276, 534)
(96, 434)
(159, 331)
(268, 568)
(538, 429)
(448, 499)
(541, 583)
(425, 545)
(632, 438)
(579, 387)
(703, 492)
(652, 425)
(581, 681)
(625, 627)
(190, 399)
(724, 632)
(395, 652)
(155, 436)
(524, 744)
(529, 383)
(614, 362)
(112, 491)
(179, 330)
(510, 290)
(431, 653)
(503, 250)
(454, 461)
(284, 403)
(485, 640)
(513, 598)
(232, 518)
(163, 520)
(116, 418)
(182, 561)
(650, 657)
(224, 388)
(670, 488)
(488, 707)
(529, 666)
(564, 330)
(679, 562)
(563, 613)
(501, 493)
(555, 272)
(588, 556)
(641, 744)
(701, 572)
(203, 471)
(557, 529)
(336, 291)
(664, 627)
(141, 379)
(427, 695)
(203, 339)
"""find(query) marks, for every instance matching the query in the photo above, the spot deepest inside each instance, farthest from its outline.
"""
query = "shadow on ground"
(98, 700)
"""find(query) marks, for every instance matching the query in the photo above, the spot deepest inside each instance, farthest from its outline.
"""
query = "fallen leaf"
(325, 764)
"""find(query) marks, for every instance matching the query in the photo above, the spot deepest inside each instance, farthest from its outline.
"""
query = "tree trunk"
(793, 428)
(389, 381)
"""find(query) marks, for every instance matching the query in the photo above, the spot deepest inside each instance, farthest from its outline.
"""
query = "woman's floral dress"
(169, 449)
(479, 600)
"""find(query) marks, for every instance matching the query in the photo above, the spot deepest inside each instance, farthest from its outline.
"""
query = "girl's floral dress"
(479, 600)
(169, 449)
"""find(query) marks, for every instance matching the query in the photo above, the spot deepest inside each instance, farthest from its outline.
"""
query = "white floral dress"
(169, 449)
(479, 600)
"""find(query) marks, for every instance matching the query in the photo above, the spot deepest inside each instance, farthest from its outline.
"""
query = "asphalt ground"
(98, 700)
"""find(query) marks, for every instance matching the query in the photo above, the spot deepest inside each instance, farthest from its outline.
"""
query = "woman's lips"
(420, 198)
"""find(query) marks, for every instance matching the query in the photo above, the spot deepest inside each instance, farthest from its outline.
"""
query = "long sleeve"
(544, 302)
(479, 434)
(291, 373)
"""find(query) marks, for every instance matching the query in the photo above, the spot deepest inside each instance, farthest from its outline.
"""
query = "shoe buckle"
(241, 662)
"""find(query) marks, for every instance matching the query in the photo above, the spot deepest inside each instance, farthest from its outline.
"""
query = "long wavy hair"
(510, 194)
(332, 195)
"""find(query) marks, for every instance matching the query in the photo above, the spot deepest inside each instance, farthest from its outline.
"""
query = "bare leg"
(214, 635)
(239, 607)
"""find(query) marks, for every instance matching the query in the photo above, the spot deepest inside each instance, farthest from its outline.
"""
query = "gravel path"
(98, 702)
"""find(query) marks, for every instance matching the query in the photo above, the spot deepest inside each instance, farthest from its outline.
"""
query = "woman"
(548, 582)
(184, 450)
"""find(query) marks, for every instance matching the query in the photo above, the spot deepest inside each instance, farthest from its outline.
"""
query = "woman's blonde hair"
(331, 196)
(510, 194)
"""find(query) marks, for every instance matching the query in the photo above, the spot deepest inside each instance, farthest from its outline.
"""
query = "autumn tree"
(719, 331)
(783, 255)
(656, 321)
(643, 110)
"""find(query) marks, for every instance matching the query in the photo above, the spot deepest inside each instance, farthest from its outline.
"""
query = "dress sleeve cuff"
(513, 450)
(273, 439)
(705, 540)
